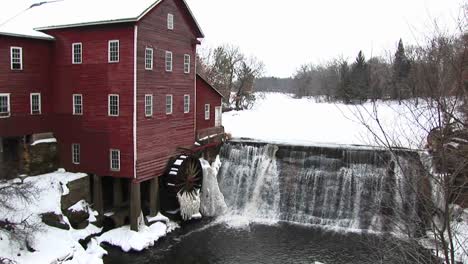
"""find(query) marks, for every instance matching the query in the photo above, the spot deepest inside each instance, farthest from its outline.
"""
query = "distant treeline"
(409, 72)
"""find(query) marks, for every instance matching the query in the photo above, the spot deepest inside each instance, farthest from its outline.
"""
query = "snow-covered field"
(281, 118)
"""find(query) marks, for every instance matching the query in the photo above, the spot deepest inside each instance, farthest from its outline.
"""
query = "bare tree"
(248, 70)
(441, 115)
(15, 194)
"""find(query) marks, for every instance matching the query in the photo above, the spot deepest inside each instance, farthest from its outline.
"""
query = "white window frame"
(186, 63)
(39, 104)
(168, 60)
(8, 113)
(207, 111)
(170, 21)
(20, 58)
(75, 104)
(109, 52)
(149, 61)
(112, 168)
(76, 153)
(148, 105)
(109, 105)
(81, 53)
(169, 104)
(186, 103)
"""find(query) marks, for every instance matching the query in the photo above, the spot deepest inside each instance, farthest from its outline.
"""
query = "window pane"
(77, 53)
(76, 153)
(16, 59)
(4, 101)
(114, 105)
(207, 112)
(168, 61)
(148, 105)
(115, 159)
(186, 103)
(170, 21)
(149, 59)
(77, 104)
(186, 63)
(114, 51)
(168, 104)
(35, 104)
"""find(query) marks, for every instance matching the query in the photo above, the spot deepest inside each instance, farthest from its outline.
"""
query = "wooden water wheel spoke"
(184, 175)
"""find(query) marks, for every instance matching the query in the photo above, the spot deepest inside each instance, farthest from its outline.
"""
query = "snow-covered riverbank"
(47, 244)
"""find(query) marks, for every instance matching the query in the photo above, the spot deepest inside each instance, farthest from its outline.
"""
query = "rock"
(77, 219)
(51, 219)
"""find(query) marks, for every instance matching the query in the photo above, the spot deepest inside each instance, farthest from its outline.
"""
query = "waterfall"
(362, 189)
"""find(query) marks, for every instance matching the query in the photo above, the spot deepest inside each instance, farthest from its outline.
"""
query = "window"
(77, 51)
(186, 63)
(148, 59)
(170, 21)
(113, 105)
(207, 111)
(35, 103)
(77, 104)
(113, 51)
(168, 61)
(76, 153)
(148, 105)
(168, 104)
(115, 159)
(4, 105)
(186, 103)
(16, 56)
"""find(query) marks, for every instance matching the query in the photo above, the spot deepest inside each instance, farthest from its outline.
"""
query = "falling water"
(350, 188)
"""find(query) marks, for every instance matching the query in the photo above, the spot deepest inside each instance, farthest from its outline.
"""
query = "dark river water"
(281, 243)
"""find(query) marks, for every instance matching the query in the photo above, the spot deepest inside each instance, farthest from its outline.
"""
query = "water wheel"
(184, 174)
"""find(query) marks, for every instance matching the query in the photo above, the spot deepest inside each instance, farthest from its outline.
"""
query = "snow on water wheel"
(184, 175)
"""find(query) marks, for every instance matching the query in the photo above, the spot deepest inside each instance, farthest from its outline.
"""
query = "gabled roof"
(209, 84)
(74, 13)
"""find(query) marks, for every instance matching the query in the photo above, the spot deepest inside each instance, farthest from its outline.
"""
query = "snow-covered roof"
(73, 13)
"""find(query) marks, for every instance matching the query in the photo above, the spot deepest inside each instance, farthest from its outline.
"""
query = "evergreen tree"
(360, 78)
(401, 69)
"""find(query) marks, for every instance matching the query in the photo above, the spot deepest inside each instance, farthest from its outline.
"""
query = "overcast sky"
(286, 34)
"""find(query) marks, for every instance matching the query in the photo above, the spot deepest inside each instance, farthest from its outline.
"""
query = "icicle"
(212, 200)
(189, 203)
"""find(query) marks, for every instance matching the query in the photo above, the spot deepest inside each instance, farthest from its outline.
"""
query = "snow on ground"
(128, 240)
(44, 141)
(50, 244)
(281, 118)
(54, 245)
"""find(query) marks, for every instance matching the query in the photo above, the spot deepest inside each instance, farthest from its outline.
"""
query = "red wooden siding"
(206, 95)
(34, 78)
(160, 135)
(95, 78)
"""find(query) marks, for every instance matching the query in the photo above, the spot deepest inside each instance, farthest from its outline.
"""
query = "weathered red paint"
(206, 94)
(34, 78)
(48, 69)
(95, 79)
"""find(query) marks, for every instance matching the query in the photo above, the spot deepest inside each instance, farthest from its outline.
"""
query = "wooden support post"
(2, 162)
(97, 196)
(154, 196)
(117, 186)
(135, 205)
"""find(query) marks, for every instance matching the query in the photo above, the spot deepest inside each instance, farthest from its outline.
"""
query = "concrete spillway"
(345, 187)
